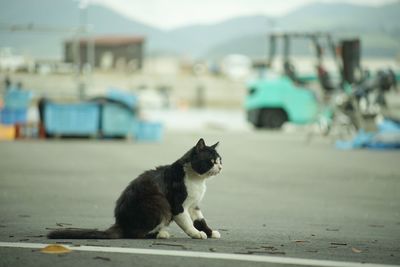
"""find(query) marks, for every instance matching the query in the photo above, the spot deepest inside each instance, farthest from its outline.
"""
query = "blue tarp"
(386, 137)
(128, 99)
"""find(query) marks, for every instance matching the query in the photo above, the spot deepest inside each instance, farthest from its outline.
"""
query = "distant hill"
(379, 28)
(198, 39)
(332, 16)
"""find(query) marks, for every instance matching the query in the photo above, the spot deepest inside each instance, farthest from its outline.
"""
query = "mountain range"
(378, 28)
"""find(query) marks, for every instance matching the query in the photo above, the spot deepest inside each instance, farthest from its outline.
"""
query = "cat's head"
(204, 160)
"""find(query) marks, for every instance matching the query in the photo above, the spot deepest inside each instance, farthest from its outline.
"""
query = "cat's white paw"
(163, 235)
(215, 234)
(203, 235)
(198, 235)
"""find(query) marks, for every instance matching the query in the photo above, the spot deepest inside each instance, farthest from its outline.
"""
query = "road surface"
(276, 199)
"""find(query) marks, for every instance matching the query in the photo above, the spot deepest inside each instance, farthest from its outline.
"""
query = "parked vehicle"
(346, 101)
(273, 100)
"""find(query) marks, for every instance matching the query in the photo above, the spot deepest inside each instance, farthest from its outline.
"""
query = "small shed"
(106, 52)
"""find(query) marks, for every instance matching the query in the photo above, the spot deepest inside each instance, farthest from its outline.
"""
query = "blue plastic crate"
(72, 119)
(116, 120)
(11, 116)
(17, 99)
(148, 131)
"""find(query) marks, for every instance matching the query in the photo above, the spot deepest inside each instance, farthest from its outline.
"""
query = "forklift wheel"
(272, 118)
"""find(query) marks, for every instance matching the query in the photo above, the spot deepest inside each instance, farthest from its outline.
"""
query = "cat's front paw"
(198, 235)
(215, 234)
(163, 235)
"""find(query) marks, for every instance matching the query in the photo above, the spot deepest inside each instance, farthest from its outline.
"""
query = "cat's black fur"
(154, 196)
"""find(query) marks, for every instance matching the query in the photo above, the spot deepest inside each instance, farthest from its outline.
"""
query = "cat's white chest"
(196, 189)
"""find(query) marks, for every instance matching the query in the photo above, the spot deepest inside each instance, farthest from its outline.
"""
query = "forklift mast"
(316, 39)
(272, 50)
(350, 52)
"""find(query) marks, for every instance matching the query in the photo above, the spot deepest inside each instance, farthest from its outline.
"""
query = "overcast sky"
(167, 14)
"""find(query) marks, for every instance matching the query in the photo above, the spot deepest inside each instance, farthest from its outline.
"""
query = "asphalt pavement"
(277, 196)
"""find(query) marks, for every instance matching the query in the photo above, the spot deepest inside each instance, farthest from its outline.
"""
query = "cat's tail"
(111, 233)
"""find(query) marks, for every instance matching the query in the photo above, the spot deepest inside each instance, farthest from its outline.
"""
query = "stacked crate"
(13, 112)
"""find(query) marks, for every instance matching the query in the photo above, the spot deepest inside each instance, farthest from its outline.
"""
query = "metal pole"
(82, 32)
(272, 46)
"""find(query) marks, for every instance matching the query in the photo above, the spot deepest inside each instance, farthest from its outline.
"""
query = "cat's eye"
(217, 160)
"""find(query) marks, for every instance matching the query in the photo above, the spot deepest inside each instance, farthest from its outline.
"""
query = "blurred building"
(106, 52)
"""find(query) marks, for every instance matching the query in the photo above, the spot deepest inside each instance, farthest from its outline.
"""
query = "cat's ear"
(215, 145)
(200, 145)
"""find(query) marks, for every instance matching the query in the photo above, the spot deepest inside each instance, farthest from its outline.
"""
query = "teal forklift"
(273, 100)
(353, 96)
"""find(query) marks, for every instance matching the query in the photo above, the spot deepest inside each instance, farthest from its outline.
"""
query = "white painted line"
(205, 255)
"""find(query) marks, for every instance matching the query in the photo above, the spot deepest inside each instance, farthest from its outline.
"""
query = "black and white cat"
(155, 198)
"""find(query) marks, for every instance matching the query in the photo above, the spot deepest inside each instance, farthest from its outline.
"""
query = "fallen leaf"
(269, 247)
(301, 241)
(276, 252)
(356, 250)
(332, 229)
(63, 224)
(212, 249)
(102, 258)
(55, 249)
